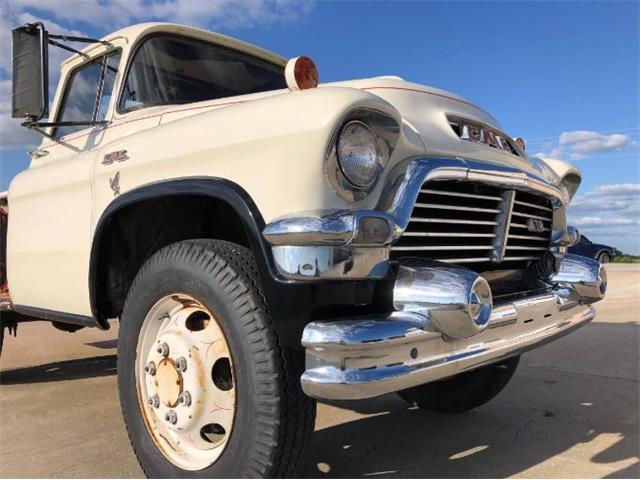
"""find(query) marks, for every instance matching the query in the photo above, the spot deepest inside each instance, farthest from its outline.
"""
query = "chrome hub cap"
(186, 383)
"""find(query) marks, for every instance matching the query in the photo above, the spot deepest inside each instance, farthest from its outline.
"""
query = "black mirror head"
(30, 75)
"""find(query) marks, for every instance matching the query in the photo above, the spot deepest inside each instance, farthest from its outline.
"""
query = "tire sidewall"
(159, 279)
(604, 257)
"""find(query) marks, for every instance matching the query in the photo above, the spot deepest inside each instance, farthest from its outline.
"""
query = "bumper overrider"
(444, 319)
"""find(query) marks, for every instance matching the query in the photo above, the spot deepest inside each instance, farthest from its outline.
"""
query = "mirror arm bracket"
(38, 126)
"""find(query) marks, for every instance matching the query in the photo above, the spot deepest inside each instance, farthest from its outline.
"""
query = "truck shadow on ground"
(58, 371)
(578, 415)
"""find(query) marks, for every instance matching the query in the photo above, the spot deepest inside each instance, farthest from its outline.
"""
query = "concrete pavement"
(570, 411)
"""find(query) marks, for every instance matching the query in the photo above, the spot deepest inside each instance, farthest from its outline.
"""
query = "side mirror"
(30, 77)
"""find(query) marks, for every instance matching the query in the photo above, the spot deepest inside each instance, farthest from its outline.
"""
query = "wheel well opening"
(135, 232)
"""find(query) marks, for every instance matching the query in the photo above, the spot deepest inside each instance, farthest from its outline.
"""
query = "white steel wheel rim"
(186, 382)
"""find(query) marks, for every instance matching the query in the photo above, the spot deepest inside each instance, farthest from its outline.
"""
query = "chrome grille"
(471, 223)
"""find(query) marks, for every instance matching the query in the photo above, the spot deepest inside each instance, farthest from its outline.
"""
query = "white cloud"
(207, 13)
(579, 144)
(618, 189)
(605, 222)
(610, 214)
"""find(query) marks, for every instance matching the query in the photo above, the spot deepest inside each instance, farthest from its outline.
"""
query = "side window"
(88, 93)
(168, 70)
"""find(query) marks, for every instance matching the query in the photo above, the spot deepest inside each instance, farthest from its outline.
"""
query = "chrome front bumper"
(366, 357)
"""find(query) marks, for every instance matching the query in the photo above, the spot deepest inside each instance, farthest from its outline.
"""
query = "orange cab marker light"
(301, 73)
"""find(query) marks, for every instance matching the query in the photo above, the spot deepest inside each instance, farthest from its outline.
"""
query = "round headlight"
(358, 154)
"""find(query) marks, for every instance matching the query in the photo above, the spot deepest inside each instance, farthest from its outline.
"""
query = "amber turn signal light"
(301, 73)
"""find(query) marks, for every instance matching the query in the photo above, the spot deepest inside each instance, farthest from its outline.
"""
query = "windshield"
(171, 69)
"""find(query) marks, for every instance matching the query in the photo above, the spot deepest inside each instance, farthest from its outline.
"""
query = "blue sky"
(563, 75)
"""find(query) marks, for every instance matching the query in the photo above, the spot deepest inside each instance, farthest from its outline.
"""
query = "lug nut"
(150, 368)
(181, 364)
(154, 401)
(163, 350)
(185, 399)
(171, 416)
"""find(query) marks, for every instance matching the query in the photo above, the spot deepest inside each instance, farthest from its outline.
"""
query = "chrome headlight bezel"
(385, 130)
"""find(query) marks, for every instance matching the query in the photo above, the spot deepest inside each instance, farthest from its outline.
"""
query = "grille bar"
(522, 225)
(458, 194)
(513, 259)
(532, 205)
(449, 234)
(444, 247)
(450, 207)
(528, 237)
(529, 215)
(466, 260)
(453, 220)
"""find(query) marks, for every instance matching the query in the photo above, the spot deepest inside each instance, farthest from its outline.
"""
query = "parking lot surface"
(570, 411)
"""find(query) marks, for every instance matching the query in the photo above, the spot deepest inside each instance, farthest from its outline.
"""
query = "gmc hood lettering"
(476, 134)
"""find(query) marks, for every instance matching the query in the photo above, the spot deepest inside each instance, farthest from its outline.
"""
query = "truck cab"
(266, 240)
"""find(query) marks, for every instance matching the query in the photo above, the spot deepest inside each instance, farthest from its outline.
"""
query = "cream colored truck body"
(272, 144)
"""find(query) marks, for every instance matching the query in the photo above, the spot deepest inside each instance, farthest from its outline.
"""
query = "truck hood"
(426, 110)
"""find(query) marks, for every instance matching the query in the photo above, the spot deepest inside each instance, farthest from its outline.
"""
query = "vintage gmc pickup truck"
(266, 241)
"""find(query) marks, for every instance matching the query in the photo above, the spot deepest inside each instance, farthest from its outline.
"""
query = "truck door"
(49, 237)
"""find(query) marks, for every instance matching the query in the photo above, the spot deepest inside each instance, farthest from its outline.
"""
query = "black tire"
(1, 334)
(274, 419)
(465, 391)
(604, 257)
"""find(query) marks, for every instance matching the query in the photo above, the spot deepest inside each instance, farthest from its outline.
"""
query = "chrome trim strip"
(329, 262)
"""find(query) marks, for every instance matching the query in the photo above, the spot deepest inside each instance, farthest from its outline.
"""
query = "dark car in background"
(586, 248)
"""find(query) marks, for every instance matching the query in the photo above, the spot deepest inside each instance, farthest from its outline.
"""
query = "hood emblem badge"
(476, 134)
(535, 225)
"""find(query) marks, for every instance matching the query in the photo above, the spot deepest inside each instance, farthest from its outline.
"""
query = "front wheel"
(604, 257)
(465, 391)
(206, 389)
